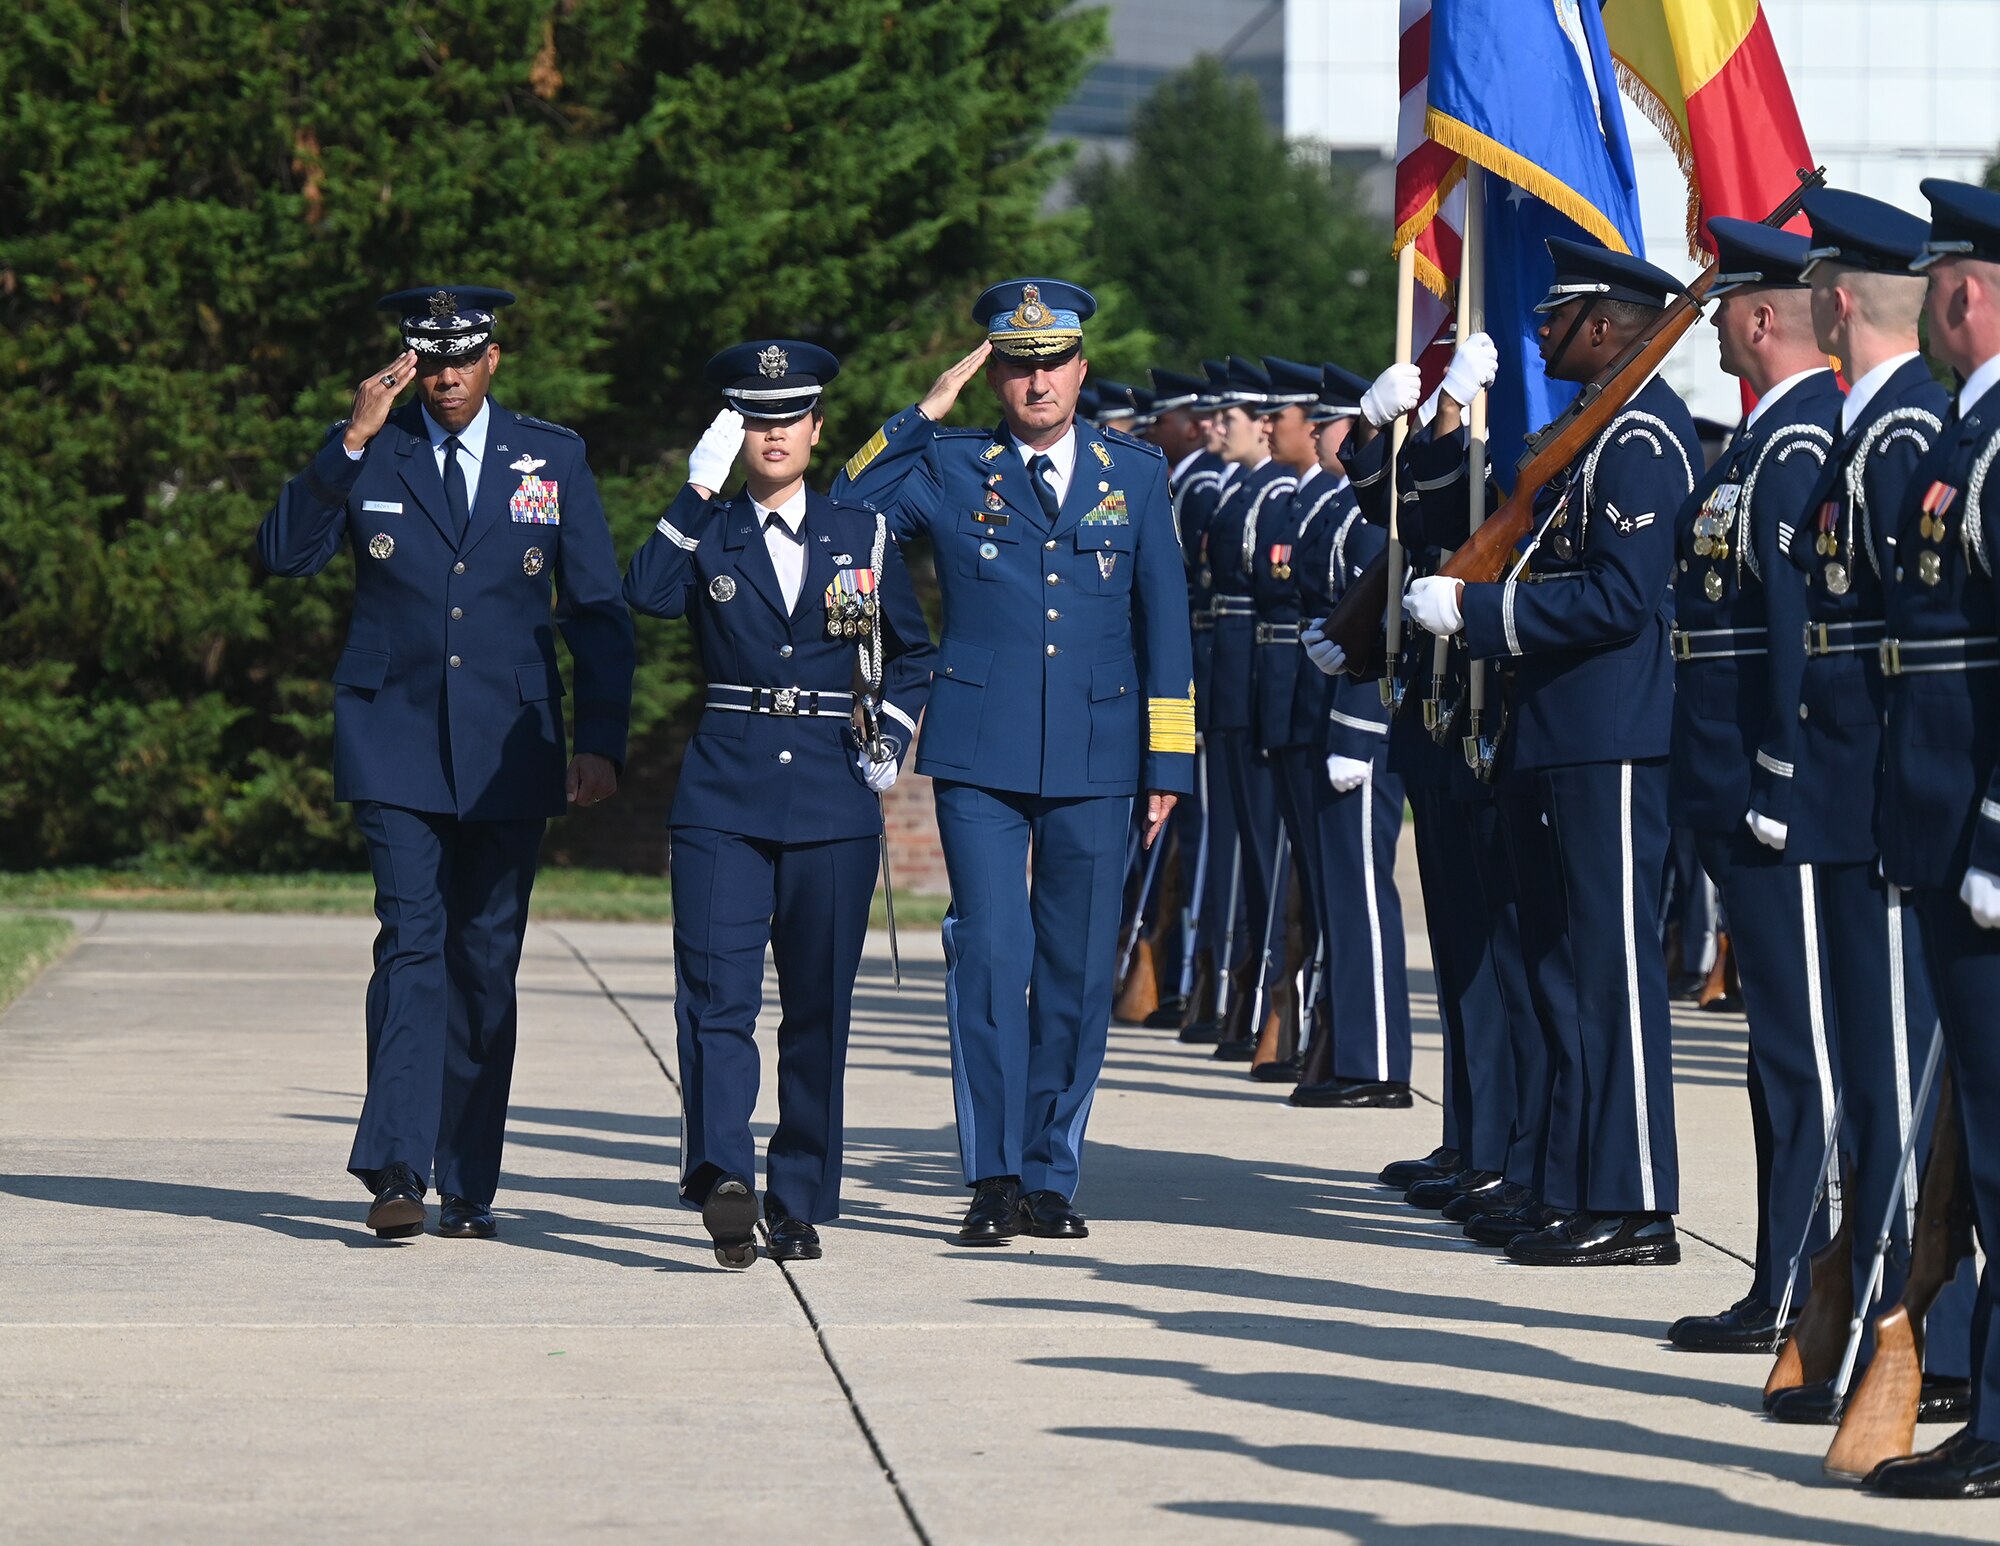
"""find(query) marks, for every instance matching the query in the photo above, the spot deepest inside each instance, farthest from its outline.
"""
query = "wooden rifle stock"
(1880, 1421)
(1355, 623)
(1811, 1354)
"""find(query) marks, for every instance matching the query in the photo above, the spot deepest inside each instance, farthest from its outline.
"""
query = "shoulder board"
(554, 429)
(859, 507)
(1119, 437)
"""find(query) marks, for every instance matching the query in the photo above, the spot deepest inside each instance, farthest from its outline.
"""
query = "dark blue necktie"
(1044, 468)
(455, 500)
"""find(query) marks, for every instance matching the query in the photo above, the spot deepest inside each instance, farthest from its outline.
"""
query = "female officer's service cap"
(1591, 269)
(1034, 319)
(773, 378)
(446, 323)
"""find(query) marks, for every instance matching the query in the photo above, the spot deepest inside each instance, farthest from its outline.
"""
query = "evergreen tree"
(199, 205)
(1228, 240)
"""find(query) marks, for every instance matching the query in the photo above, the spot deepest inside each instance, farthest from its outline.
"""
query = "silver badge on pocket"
(531, 562)
(381, 545)
(1106, 562)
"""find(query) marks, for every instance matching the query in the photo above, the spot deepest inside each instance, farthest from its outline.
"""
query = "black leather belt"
(1857, 638)
(786, 702)
(1717, 643)
(1930, 655)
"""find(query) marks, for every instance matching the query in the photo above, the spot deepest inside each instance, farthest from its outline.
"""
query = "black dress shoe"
(1439, 1190)
(995, 1216)
(1506, 1225)
(1404, 1174)
(1203, 1033)
(1747, 1326)
(1049, 1216)
(1686, 988)
(1961, 1467)
(1353, 1092)
(462, 1220)
(787, 1238)
(1601, 1240)
(1277, 1071)
(1939, 1400)
(730, 1216)
(1238, 1049)
(1167, 1016)
(1467, 1206)
(398, 1210)
(1813, 1404)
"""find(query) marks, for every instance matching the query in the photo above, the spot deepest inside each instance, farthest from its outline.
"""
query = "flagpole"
(1472, 315)
(1406, 286)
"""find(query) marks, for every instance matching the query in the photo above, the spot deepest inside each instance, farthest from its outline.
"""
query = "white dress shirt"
(1062, 454)
(1770, 399)
(471, 448)
(1863, 391)
(788, 554)
(1977, 385)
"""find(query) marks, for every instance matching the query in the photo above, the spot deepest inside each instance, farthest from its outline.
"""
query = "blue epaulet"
(558, 429)
(1119, 437)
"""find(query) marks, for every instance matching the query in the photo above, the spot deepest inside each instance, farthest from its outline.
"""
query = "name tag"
(991, 517)
(381, 507)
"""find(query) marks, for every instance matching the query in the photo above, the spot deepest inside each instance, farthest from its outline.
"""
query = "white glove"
(715, 453)
(1981, 893)
(1474, 364)
(1429, 410)
(877, 775)
(1346, 773)
(1768, 832)
(1433, 605)
(1321, 650)
(1394, 393)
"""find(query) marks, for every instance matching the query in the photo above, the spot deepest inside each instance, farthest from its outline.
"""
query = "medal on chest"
(1714, 525)
(535, 502)
(850, 603)
(1281, 561)
(1939, 499)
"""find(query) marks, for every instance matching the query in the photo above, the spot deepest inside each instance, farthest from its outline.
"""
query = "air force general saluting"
(1062, 686)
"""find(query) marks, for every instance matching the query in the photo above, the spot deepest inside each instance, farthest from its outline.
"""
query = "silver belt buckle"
(1889, 655)
(785, 700)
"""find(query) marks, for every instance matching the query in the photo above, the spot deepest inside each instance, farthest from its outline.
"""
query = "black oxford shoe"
(1238, 1049)
(1939, 1400)
(1168, 1015)
(1439, 1190)
(1747, 1326)
(1203, 1033)
(398, 1209)
(1277, 1071)
(1353, 1092)
(1961, 1467)
(1050, 1217)
(730, 1217)
(1404, 1174)
(1498, 1197)
(1601, 1240)
(788, 1238)
(462, 1220)
(995, 1216)
(1505, 1225)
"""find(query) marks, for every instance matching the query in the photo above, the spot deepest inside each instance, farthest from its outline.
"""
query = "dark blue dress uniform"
(1586, 627)
(448, 730)
(1941, 782)
(1739, 646)
(773, 833)
(1063, 686)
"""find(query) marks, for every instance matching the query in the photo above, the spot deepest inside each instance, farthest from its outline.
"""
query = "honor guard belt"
(1857, 638)
(1717, 643)
(786, 702)
(1545, 576)
(1232, 606)
(1277, 633)
(1202, 621)
(1913, 657)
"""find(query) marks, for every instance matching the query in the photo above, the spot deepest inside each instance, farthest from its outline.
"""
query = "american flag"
(1430, 197)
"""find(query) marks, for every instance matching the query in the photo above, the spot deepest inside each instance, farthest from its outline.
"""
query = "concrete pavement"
(199, 1342)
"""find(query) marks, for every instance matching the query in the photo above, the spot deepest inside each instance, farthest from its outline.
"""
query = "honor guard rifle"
(879, 748)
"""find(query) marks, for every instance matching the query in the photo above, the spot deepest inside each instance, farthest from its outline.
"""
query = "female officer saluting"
(797, 601)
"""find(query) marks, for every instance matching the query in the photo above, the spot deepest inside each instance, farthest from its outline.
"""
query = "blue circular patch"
(989, 550)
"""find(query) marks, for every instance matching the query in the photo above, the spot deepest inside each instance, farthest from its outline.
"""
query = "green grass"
(27, 944)
(603, 895)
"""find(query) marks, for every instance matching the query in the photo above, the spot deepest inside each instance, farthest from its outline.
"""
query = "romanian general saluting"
(463, 518)
(1063, 686)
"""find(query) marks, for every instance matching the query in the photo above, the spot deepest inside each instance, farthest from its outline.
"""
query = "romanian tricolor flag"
(1708, 75)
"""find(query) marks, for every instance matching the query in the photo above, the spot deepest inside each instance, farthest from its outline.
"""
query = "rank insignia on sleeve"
(531, 562)
(535, 503)
(1111, 510)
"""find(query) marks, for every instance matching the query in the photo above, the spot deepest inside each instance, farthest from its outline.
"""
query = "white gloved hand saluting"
(715, 453)
(1981, 893)
(1394, 393)
(1770, 833)
(1433, 605)
(877, 775)
(1474, 364)
(1320, 650)
(1346, 773)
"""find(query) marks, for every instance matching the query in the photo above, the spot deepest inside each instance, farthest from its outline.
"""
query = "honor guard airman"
(1063, 687)
(1941, 789)
(477, 537)
(817, 660)
(1739, 651)
(1586, 628)
(1816, 795)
